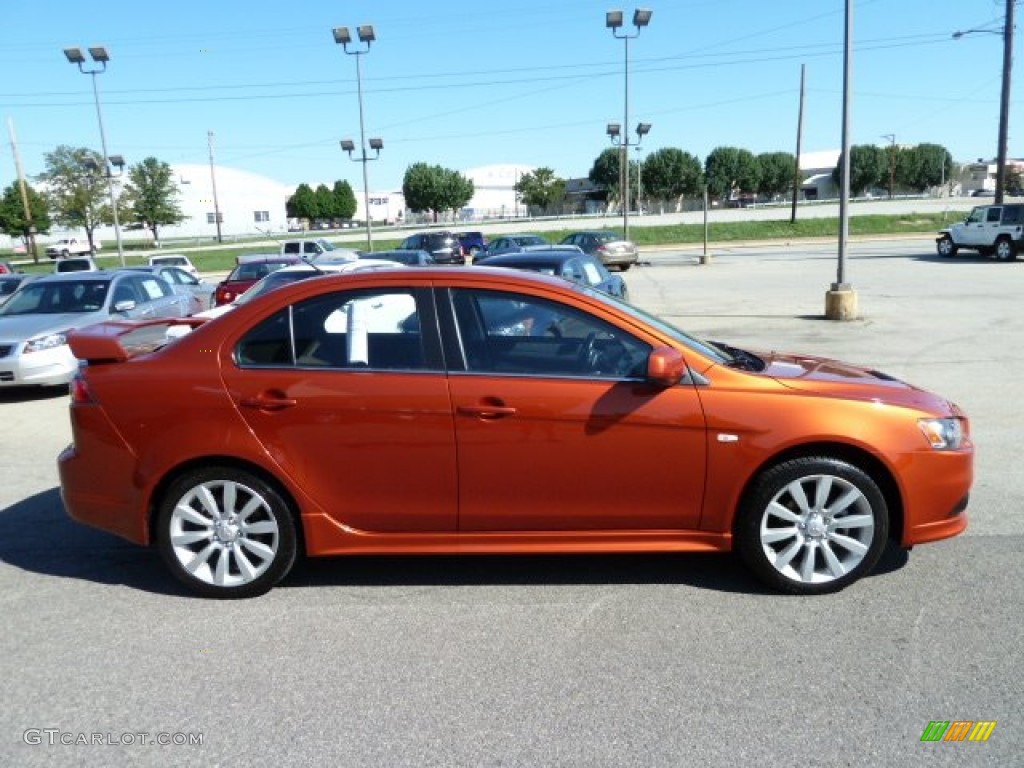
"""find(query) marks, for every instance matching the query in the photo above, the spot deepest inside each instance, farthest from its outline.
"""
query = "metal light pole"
(639, 182)
(100, 56)
(613, 21)
(621, 139)
(1004, 100)
(343, 38)
(891, 137)
(841, 299)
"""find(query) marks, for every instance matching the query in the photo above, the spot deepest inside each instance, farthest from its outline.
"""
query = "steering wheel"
(588, 354)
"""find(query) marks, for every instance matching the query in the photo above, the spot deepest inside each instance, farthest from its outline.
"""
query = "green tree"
(150, 196)
(932, 165)
(542, 189)
(670, 174)
(868, 168)
(778, 169)
(435, 189)
(1014, 180)
(12, 214)
(729, 170)
(302, 205)
(606, 172)
(324, 202)
(76, 189)
(344, 200)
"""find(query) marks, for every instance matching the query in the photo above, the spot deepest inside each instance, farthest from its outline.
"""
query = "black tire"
(232, 555)
(946, 247)
(1005, 249)
(624, 267)
(805, 548)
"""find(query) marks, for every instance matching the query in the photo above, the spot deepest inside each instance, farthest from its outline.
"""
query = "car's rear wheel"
(225, 533)
(946, 247)
(1005, 249)
(812, 525)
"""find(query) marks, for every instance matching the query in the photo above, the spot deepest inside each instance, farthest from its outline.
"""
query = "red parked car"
(249, 271)
(464, 410)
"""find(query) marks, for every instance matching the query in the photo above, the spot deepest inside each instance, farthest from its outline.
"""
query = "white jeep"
(989, 229)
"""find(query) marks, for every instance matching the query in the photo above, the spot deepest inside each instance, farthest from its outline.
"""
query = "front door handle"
(486, 411)
(273, 400)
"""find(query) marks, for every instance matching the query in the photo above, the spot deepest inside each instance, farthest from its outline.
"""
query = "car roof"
(96, 276)
(537, 258)
(268, 256)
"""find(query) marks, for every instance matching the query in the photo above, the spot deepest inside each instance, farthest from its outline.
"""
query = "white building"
(494, 195)
(248, 203)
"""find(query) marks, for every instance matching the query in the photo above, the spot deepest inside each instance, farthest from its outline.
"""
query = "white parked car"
(174, 260)
(35, 321)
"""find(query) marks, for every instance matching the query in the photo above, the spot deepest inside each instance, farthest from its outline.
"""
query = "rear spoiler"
(118, 340)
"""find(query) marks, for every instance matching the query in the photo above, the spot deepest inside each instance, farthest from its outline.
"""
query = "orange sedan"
(452, 411)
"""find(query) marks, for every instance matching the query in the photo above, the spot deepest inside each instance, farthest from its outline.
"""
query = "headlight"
(943, 434)
(46, 342)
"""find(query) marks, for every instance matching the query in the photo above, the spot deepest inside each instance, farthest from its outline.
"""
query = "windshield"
(705, 348)
(326, 245)
(57, 298)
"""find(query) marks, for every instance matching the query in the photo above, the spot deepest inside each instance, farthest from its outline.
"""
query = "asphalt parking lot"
(558, 661)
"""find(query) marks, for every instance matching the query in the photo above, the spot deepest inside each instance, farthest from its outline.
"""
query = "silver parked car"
(181, 281)
(608, 247)
(35, 322)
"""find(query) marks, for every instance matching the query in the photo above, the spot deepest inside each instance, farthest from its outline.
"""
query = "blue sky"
(465, 84)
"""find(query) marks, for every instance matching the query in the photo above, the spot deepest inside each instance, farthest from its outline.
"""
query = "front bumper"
(50, 367)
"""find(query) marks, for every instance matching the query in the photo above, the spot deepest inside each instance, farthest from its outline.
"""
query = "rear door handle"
(268, 401)
(486, 411)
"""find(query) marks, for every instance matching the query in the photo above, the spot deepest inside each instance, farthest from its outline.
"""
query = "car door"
(556, 428)
(350, 400)
(977, 227)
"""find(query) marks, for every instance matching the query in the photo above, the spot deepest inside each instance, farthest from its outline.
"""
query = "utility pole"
(1004, 102)
(213, 183)
(30, 227)
(799, 139)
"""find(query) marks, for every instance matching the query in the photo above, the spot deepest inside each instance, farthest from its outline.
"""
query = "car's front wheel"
(812, 525)
(945, 246)
(225, 533)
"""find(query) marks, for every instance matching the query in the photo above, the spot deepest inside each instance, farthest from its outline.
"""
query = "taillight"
(80, 392)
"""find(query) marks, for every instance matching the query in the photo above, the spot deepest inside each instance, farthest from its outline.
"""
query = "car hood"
(24, 327)
(835, 378)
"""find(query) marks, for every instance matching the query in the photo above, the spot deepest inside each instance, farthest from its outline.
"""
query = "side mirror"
(665, 367)
(124, 306)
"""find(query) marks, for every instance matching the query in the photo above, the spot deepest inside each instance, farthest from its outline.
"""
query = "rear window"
(74, 265)
(168, 261)
(1012, 214)
(256, 270)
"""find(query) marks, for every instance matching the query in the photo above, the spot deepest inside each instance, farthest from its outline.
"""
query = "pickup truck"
(68, 246)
